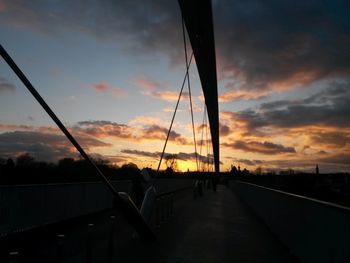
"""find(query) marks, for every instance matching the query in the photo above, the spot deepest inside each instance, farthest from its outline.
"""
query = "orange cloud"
(168, 95)
(246, 86)
(239, 94)
(118, 92)
(307, 144)
(145, 120)
(296, 79)
(152, 88)
(104, 87)
(105, 129)
(101, 87)
(2, 6)
(146, 83)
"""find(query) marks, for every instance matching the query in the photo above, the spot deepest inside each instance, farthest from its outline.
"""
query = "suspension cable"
(210, 159)
(203, 123)
(172, 120)
(206, 142)
(189, 93)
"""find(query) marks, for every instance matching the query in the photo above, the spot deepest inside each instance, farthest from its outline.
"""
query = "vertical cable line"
(200, 149)
(174, 114)
(206, 143)
(189, 93)
(210, 159)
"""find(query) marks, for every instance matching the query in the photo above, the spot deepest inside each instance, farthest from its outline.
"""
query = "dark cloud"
(30, 118)
(259, 44)
(6, 86)
(116, 159)
(142, 153)
(160, 133)
(201, 127)
(275, 104)
(337, 139)
(258, 147)
(105, 128)
(102, 129)
(43, 146)
(340, 158)
(179, 156)
(245, 161)
(152, 26)
(224, 130)
(267, 43)
(192, 157)
(329, 107)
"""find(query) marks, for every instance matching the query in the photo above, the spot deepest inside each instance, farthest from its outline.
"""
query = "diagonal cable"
(172, 120)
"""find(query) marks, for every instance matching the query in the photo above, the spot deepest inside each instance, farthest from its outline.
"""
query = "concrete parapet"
(313, 230)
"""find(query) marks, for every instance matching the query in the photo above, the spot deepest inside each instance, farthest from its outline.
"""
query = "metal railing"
(162, 212)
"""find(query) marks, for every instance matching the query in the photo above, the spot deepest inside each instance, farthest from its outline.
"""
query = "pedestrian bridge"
(240, 222)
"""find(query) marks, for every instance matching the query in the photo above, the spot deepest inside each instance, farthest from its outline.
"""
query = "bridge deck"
(216, 227)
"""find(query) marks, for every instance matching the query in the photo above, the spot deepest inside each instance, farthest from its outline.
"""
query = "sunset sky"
(112, 71)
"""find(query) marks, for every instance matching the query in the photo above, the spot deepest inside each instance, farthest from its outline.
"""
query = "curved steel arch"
(198, 18)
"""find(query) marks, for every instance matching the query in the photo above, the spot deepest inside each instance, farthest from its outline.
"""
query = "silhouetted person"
(317, 170)
(234, 170)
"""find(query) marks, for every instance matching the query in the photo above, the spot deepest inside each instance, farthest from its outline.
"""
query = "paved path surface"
(216, 227)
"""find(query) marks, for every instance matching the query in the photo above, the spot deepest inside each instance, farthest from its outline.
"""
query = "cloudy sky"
(112, 70)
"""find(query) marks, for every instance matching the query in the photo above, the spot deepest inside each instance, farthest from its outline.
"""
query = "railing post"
(13, 257)
(162, 212)
(89, 244)
(59, 252)
(171, 204)
(157, 217)
(168, 207)
(111, 238)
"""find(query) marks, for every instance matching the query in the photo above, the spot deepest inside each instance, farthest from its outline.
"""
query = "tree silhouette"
(25, 160)
(171, 162)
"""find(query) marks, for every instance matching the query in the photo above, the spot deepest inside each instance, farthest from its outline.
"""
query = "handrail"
(302, 197)
(174, 192)
(125, 206)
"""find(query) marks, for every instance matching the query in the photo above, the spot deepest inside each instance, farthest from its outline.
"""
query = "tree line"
(26, 169)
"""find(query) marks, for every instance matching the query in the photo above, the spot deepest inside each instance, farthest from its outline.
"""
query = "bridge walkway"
(216, 227)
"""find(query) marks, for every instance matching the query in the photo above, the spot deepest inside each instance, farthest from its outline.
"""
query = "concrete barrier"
(313, 230)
